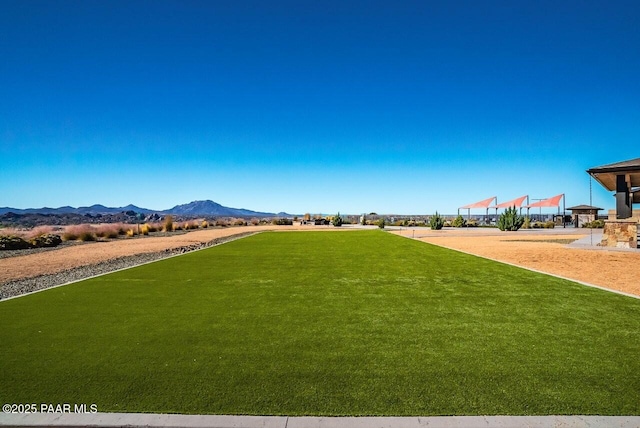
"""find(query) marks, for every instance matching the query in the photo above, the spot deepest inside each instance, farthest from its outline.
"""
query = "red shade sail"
(482, 204)
(517, 202)
(551, 202)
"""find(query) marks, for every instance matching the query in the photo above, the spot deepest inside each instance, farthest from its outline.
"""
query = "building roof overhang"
(584, 207)
(606, 174)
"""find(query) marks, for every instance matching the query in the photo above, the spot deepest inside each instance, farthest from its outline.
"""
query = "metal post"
(540, 215)
(591, 203)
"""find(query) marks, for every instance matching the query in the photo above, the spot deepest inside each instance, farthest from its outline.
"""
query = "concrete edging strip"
(71, 420)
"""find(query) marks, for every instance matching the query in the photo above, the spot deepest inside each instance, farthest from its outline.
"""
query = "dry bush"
(41, 230)
(144, 229)
(168, 225)
(204, 224)
(87, 236)
(108, 231)
(222, 223)
(255, 221)
(190, 226)
(12, 231)
(119, 228)
(239, 222)
(82, 232)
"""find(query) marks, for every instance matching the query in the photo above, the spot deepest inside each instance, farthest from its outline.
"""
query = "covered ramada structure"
(582, 214)
(623, 178)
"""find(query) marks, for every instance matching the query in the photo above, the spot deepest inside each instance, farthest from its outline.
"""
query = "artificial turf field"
(325, 323)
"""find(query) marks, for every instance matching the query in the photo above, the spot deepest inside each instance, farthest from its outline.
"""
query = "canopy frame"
(480, 204)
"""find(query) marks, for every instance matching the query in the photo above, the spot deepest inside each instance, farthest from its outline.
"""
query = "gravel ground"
(41, 282)
(5, 254)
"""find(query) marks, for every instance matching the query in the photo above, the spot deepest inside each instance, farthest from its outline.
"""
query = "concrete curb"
(71, 420)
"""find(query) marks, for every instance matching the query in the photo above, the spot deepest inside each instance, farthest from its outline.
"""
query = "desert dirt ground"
(543, 250)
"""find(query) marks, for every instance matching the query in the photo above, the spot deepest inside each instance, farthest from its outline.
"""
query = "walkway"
(68, 420)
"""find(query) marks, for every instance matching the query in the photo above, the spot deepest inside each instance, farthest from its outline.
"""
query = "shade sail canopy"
(482, 204)
(517, 202)
(550, 202)
(606, 174)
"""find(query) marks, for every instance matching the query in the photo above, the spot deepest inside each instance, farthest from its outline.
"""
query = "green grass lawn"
(319, 323)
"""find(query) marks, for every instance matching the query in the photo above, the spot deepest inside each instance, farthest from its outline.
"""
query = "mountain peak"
(211, 208)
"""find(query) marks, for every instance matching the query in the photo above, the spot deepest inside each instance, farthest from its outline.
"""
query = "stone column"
(620, 234)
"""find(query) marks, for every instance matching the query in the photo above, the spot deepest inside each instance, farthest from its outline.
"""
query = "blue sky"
(301, 106)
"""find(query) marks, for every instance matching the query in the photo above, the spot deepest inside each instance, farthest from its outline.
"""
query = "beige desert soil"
(13, 268)
(543, 250)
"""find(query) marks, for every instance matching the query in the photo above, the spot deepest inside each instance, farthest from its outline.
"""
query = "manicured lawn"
(319, 323)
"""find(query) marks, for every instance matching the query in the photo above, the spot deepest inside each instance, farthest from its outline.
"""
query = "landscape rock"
(13, 243)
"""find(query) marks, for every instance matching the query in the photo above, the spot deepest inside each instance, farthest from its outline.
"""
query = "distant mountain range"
(195, 208)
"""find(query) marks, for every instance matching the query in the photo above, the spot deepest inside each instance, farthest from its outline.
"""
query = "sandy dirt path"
(13, 268)
(543, 251)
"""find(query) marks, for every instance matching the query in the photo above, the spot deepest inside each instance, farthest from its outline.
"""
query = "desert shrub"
(596, 224)
(282, 221)
(111, 234)
(144, 229)
(73, 233)
(204, 224)
(436, 222)
(510, 220)
(87, 236)
(337, 220)
(381, 223)
(239, 222)
(472, 223)
(13, 243)
(40, 231)
(222, 223)
(46, 240)
(167, 226)
(255, 221)
(131, 232)
(527, 223)
(106, 231)
(69, 236)
(459, 221)
(549, 225)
